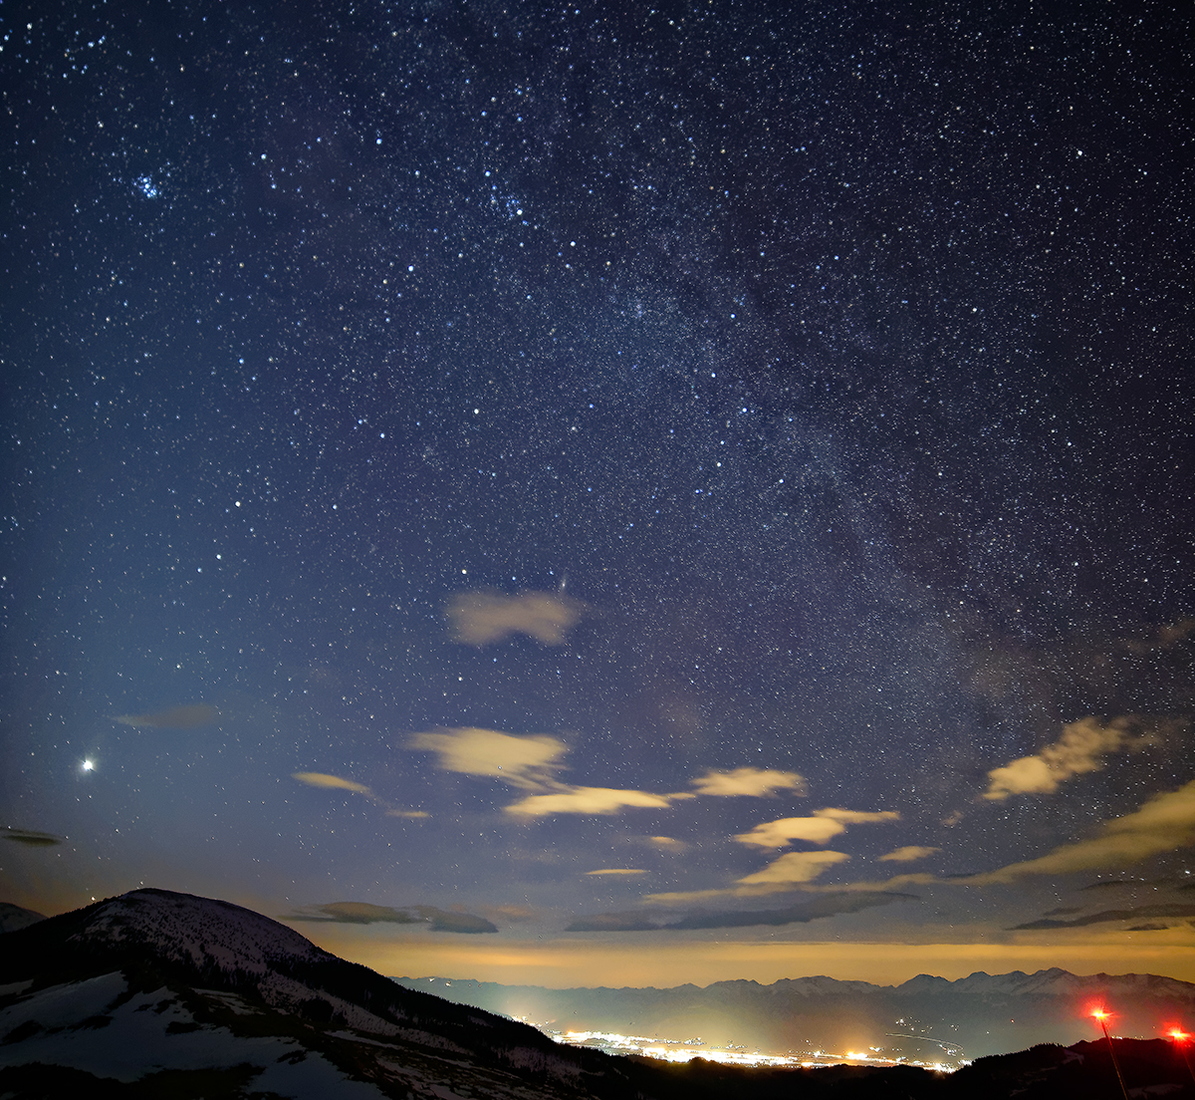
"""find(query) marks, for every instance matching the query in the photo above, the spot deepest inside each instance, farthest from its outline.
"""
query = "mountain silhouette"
(156, 994)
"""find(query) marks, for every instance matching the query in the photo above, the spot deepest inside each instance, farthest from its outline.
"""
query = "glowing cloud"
(319, 779)
(1077, 751)
(822, 826)
(1164, 823)
(590, 800)
(908, 853)
(618, 871)
(482, 617)
(520, 761)
(667, 843)
(755, 782)
(794, 867)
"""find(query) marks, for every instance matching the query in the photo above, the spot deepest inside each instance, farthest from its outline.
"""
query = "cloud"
(614, 922)
(185, 717)
(755, 782)
(590, 800)
(618, 871)
(1164, 823)
(482, 617)
(447, 920)
(30, 837)
(821, 827)
(1137, 912)
(1165, 637)
(528, 763)
(825, 905)
(520, 761)
(794, 867)
(1076, 752)
(335, 782)
(666, 843)
(319, 779)
(362, 912)
(908, 853)
(355, 912)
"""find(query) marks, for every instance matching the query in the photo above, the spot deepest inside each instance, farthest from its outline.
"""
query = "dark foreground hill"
(155, 994)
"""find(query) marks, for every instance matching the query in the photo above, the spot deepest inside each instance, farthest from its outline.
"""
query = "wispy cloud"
(632, 921)
(30, 837)
(591, 800)
(363, 912)
(820, 827)
(529, 763)
(825, 905)
(1080, 749)
(481, 617)
(908, 854)
(818, 908)
(1175, 910)
(522, 761)
(1164, 823)
(335, 782)
(618, 871)
(794, 867)
(666, 843)
(754, 782)
(186, 717)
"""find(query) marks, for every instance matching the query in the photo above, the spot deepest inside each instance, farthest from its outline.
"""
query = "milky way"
(599, 480)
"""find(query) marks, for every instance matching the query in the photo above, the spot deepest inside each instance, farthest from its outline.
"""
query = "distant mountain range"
(926, 1018)
(156, 994)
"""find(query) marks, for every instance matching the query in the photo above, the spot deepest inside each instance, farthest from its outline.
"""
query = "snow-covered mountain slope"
(13, 917)
(154, 983)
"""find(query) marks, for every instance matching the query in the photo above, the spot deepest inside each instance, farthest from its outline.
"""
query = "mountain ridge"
(979, 1015)
(157, 994)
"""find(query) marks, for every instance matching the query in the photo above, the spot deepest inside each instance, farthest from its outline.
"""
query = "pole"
(1112, 1050)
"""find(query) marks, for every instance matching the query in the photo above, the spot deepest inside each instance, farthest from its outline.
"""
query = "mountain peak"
(203, 932)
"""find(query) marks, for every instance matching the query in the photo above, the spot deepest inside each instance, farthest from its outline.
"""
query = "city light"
(684, 1050)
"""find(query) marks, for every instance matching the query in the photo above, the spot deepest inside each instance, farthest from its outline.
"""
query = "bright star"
(88, 765)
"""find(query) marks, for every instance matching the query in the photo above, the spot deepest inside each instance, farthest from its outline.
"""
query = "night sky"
(606, 494)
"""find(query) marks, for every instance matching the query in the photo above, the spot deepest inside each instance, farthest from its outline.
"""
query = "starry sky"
(594, 493)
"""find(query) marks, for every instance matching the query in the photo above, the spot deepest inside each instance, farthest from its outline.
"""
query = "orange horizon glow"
(640, 960)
